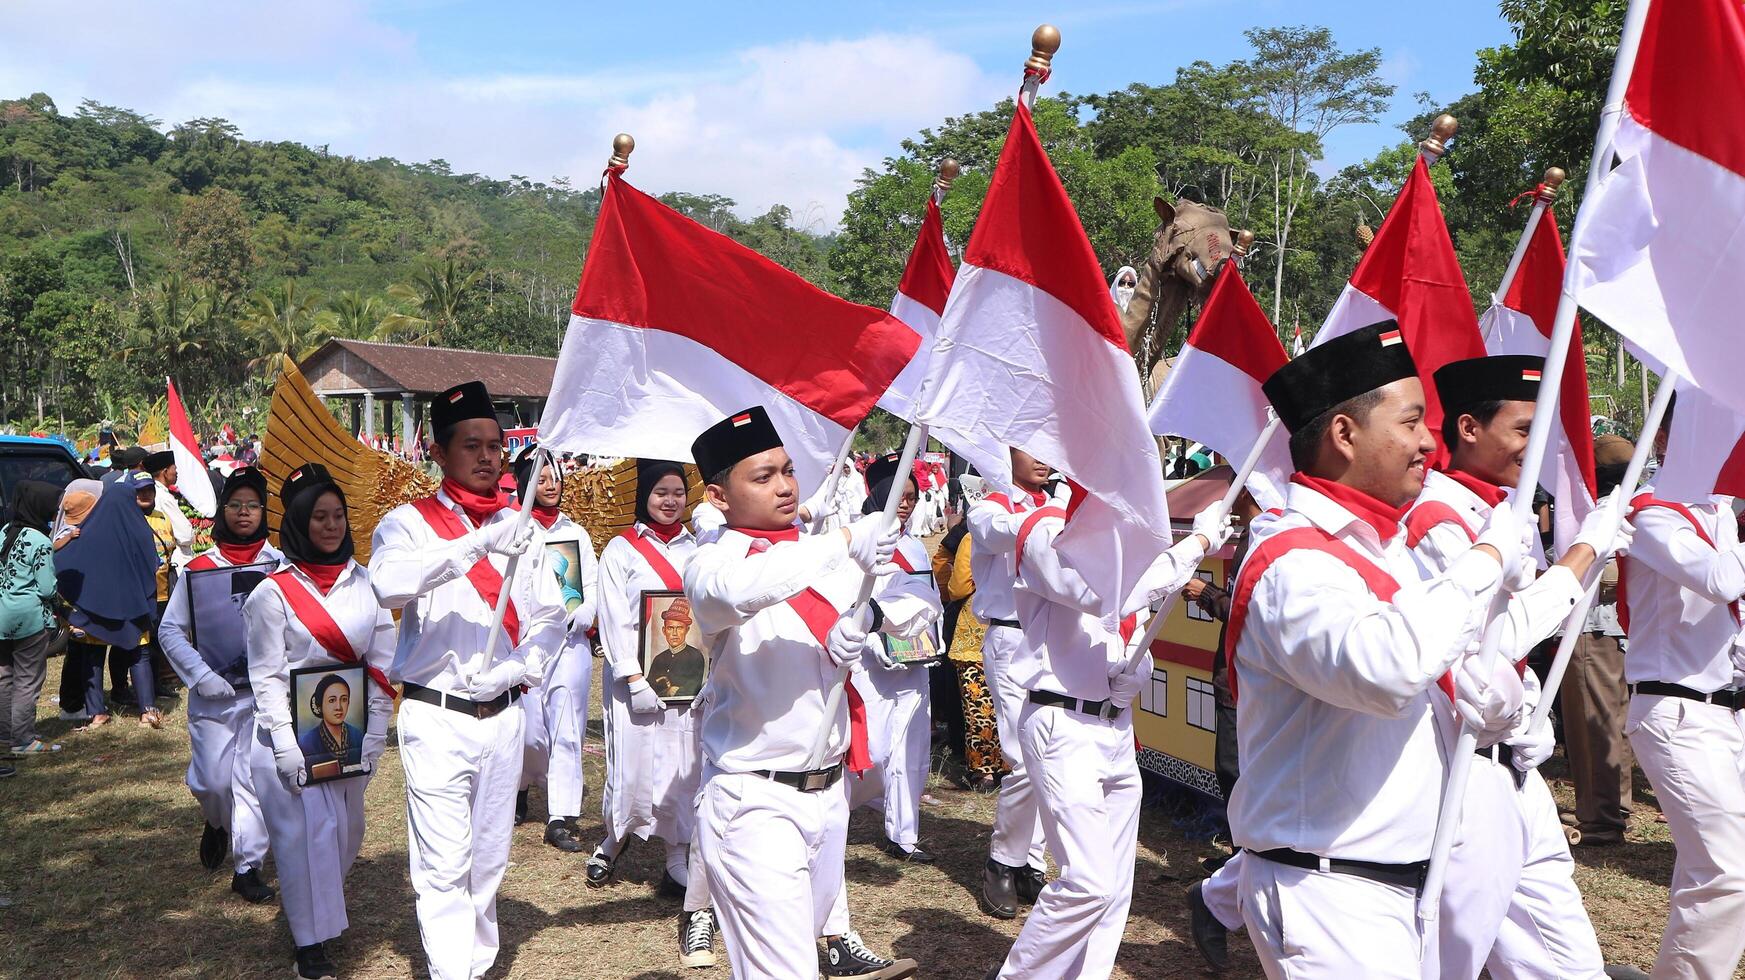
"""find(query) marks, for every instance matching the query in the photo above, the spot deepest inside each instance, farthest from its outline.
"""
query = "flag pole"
(1543, 196)
(1538, 436)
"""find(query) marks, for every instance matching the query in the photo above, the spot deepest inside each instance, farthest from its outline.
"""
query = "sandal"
(151, 718)
(36, 747)
(97, 721)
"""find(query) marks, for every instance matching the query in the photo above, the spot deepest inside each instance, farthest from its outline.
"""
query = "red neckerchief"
(546, 516)
(485, 578)
(1484, 490)
(1385, 519)
(820, 617)
(241, 554)
(478, 507)
(665, 532)
(322, 575)
(320, 623)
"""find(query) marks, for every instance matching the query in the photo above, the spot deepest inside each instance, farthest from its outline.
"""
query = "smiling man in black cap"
(441, 561)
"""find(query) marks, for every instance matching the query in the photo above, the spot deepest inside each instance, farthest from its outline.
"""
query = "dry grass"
(99, 871)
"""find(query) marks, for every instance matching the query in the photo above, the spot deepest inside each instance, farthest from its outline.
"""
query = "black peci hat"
(464, 401)
(155, 463)
(303, 479)
(1338, 370)
(736, 437)
(882, 469)
(1461, 385)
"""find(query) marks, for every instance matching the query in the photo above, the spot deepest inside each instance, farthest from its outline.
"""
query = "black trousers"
(1224, 755)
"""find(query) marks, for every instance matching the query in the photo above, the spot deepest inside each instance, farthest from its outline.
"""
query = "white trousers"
(1547, 934)
(1087, 777)
(556, 724)
(774, 859)
(1222, 893)
(899, 724)
(315, 838)
(1314, 925)
(1017, 838)
(1694, 755)
(461, 777)
(1484, 866)
(220, 773)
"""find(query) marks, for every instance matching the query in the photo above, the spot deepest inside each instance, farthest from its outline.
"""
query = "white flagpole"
(827, 500)
(1543, 196)
(521, 519)
(1544, 416)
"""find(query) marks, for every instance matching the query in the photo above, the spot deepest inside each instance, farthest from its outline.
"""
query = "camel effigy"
(1191, 240)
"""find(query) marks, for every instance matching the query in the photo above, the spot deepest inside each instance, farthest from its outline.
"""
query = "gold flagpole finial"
(1044, 42)
(948, 171)
(622, 146)
(1241, 242)
(1441, 131)
(1554, 178)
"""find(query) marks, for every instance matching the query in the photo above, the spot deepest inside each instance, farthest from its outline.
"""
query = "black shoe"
(999, 891)
(697, 938)
(559, 834)
(901, 853)
(214, 844)
(994, 974)
(252, 889)
(1028, 884)
(669, 887)
(520, 808)
(1208, 933)
(601, 868)
(313, 964)
(847, 956)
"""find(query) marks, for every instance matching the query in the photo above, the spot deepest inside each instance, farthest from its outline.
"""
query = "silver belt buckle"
(815, 781)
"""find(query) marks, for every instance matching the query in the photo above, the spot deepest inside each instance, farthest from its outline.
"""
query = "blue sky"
(764, 102)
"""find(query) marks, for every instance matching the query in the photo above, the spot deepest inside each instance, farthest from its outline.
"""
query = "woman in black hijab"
(27, 586)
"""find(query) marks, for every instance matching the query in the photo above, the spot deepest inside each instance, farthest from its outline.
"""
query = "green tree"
(350, 313)
(281, 320)
(434, 295)
(212, 241)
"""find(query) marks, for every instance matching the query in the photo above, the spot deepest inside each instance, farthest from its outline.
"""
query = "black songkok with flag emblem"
(1336, 371)
(736, 437)
(1464, 385)
(882, 469)
(464, 401)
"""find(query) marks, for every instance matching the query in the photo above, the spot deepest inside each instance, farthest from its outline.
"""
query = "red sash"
(1030, 525)
(669, 576)
(1432, 514)
(319, 622)
(202, 563)
(484, 575)
(1638, 504)
(1380, 583)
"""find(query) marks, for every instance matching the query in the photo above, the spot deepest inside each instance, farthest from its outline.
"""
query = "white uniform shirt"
(994, 522)
(1677, 589)
(279, 642)
(908, 601)
(444, 622)
(706, 517)
(769, 674)
(180, 528)
(564, 531)
(173, 630)
(1341, 751)
(1071, 635)
(624, 576)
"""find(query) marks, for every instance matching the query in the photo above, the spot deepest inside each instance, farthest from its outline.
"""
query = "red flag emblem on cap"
(1531, 375)
(742, 419)
(1391, 338)
(456, 397)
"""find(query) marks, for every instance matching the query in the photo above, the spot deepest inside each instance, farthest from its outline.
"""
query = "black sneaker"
(313, 964)
(1029, 883)
(520, 808)
(601, 868)
(1209, 935)
(697, 938)
(214, 844)
(847, 956)
(561, 835)
(670, 887)
(252, 889)
(901, 853)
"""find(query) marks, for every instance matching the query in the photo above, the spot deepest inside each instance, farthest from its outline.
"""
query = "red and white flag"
(1213, 395)
(1031, 354)
(1661, 243)
(1410, 274)
(1520, 323)
(919, 302)
(1705, 450)
(1297, 339)
(191, 480)
(675, 327)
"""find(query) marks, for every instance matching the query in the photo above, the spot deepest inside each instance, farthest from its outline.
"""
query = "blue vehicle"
(31, 458)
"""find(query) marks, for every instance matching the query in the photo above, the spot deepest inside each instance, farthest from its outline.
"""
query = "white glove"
(213, 686)
(1125, 686)
(507, 537)
(1214, 525)
(375, 743)
(1513, 540)
(872, 540)
(1490, 706)
(288, 758)
(847, 640)
(1061, 495)
(488, 685)
(1531, 746)
(574, 622)
(1605, 530)
(643, 700)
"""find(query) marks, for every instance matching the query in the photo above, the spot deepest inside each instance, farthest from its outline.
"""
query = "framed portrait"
(922, 651)
(564, 558)
(329, 714)
(673, 660)
(215, 627)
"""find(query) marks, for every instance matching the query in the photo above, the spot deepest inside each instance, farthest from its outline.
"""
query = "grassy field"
(99, 877)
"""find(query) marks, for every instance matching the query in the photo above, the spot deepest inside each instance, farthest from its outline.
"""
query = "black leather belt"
(1731, 698)
(811, 781)
(1008, 623)
(1400, 875)
(1503, 754)
(454, 702)
(1105, 710)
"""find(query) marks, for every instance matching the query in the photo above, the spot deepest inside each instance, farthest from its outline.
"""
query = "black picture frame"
(215, 626)
(674, 673)
(309, 684)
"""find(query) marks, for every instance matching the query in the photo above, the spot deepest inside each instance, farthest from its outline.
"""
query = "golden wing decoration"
(604, 500)
(301, 430)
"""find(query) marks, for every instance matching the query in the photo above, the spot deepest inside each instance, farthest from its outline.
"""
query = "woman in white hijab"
(1121, 287)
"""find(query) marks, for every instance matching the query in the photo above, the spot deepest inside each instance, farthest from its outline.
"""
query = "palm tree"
(352, 314)
(282, 321)
(434, 294)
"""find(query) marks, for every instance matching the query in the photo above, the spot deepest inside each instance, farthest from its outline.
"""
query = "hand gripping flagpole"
(1538, 437)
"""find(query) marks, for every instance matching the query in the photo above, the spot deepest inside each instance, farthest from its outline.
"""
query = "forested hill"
(128, 253)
